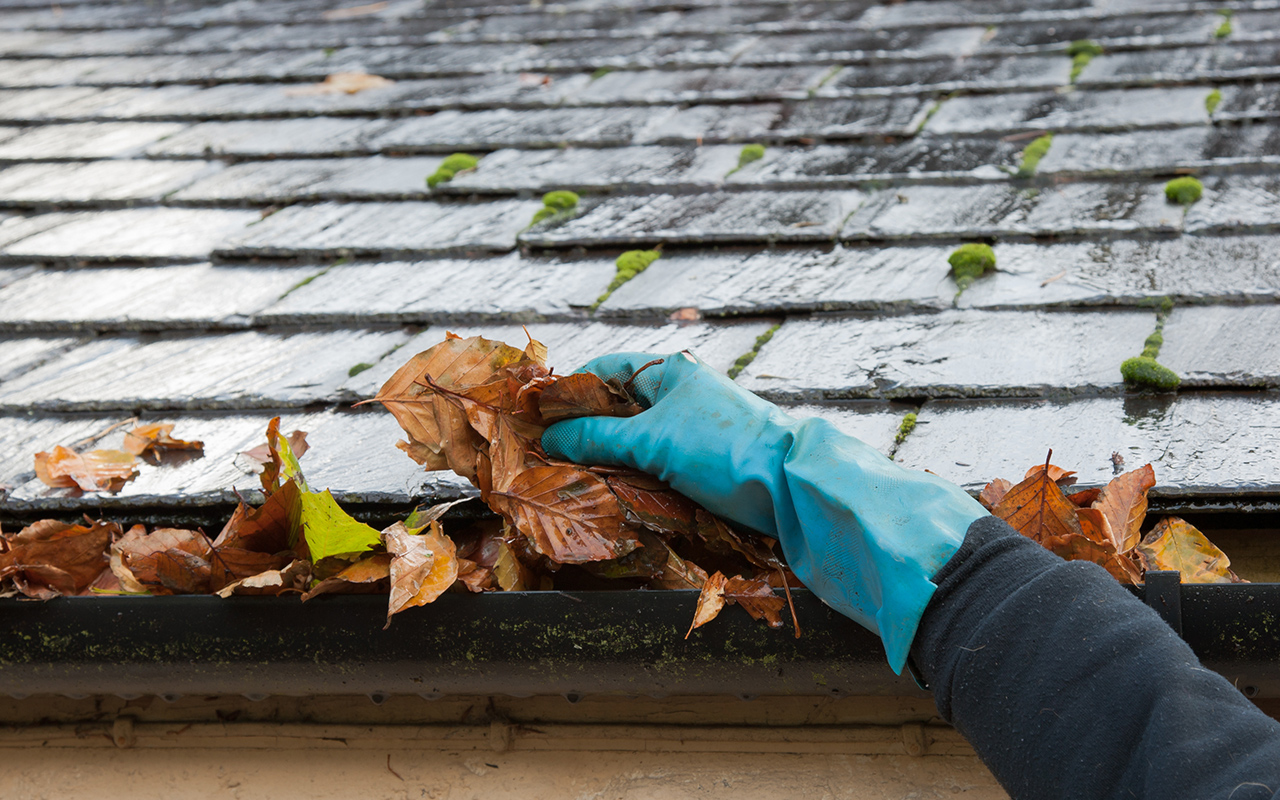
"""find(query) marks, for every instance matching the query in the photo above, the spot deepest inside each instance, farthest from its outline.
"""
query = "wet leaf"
(1174, 544)
(257, 459)
(510, 574)
(710, 601)
(583, 395)
(652, 503)
(994, 492)
(329, 531)
(342, 83)
(569, 513)
(366, 576)
(423, 566)
(1124, 503)
(720, 538)
(166, 561)
(1077, 547)
(1038, 509)
(51, 558)
(677, 573)
(757, 597)
(1057, 474)
(1095, 526)
(94, 471)
(1085, 497)
(292, 578)
(156, 436)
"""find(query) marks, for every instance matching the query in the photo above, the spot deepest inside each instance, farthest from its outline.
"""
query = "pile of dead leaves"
(1104, 525)
(474, 406)
(479, 407)
(108, 470)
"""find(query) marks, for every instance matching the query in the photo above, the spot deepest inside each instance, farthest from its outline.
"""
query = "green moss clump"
(628, 265)
(451, 166)
(1212, 100)
(541, 214)
(970, 262)
(560, 200)
(600, 73)
(750, 152)
(1151, 347)
(905, 428)
(358, 368)
(1032, 154)
(1224, 30)
(745, 359)
(1184, 191)
(1082, 51)
(1146, 372)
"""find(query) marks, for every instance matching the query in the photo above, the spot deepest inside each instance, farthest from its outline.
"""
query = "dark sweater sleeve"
(1069, 687)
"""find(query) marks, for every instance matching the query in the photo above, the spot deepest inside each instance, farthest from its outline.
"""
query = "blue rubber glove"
(865, 534)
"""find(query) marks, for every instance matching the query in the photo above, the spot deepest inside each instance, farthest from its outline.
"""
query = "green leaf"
(330, 531)
(289, 467)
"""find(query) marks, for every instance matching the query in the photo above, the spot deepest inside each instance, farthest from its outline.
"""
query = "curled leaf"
(710, 601)
(94, 471)
(422, 566)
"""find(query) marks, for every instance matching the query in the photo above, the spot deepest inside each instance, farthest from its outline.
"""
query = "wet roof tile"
(190, 227)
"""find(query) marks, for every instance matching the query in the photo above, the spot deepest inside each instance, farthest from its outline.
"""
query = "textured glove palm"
(863, 533)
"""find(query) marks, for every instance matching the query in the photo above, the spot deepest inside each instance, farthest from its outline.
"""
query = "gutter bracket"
(1164, 595)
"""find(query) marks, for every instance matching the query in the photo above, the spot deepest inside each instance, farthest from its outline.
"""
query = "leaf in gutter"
(710, 601)
(677, 573)
(422, 566)
(329, 531)
(52, 558)
(166, 561)
(94, 471)
(757, 597)
(1124, 503)
(260, 458)
(1078, 547)
(1038, 509)
(369, 575)
(1057, 474)
(1174, 544)
(292, 578)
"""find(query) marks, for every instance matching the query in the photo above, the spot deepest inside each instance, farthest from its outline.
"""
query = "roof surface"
(192, 235)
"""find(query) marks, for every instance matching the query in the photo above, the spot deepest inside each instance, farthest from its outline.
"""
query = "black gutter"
(518, 643)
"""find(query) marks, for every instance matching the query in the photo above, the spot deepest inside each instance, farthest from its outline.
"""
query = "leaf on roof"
(145, 439)
(94, 471)
(342, 83)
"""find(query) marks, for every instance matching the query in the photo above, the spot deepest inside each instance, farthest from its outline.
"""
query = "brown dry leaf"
(352, 12)
(1081, 548)
(1056, 474)
(230, 564)
(422, 566)
(94, 471)
(366, 576)
(1085, 497)
(51, 558)
(166, 561)
(583, 395)
(1124, 503)
(1038, 509)
(1176, 545)
(509, 572)
(569, 513)
(678, 573)
(293, 578)
(757, 597)
(994, 492)
(710, 601)
(156, 436)
(1095, 526)
(342, 83)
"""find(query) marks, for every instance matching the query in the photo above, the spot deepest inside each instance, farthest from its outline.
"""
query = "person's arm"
(1069, 687)
(1065, 684)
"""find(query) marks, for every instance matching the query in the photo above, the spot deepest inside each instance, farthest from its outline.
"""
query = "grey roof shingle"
(190, 231)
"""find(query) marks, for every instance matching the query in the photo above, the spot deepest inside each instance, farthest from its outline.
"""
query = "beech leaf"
(710, 601)
(94, 471)
(156, 436)
(1175, 544)
(1124, 503)
(329, 531)
(422, 566)
(569, 513)
(1038, 509)
(757, 597)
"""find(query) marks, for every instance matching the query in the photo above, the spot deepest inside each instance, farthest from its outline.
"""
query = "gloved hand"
(865, 534)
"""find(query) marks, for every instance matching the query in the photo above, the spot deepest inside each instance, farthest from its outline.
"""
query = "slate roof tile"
(1119, 109)
(1199, 444)
(84, 140)
(1224, 346)
(503, 288)
(288, 181)
(159, 234)
(332, 230)
(97, 182)
(948, 354)
(244, 369)
(145, 298)
(720, 217)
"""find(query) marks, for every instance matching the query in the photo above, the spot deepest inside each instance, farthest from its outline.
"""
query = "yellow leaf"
(1174, 544)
